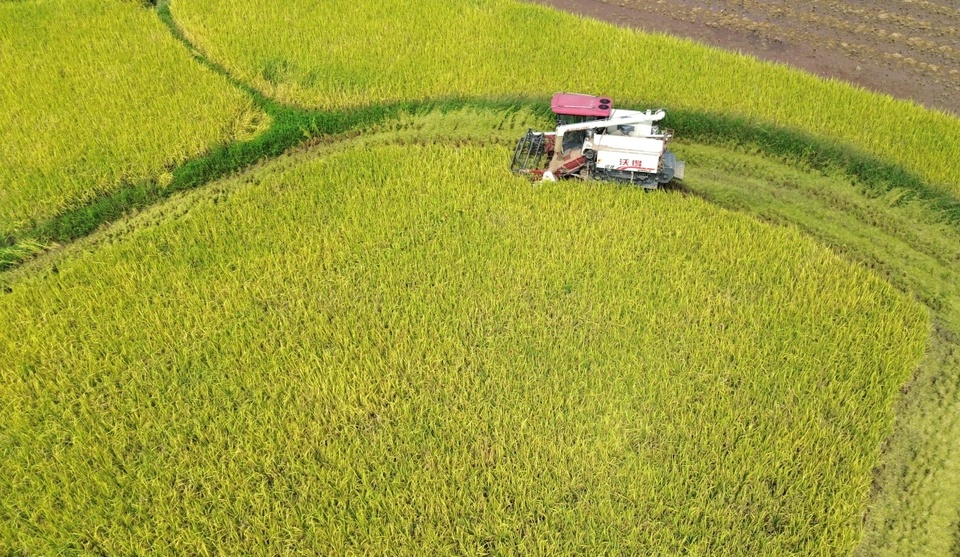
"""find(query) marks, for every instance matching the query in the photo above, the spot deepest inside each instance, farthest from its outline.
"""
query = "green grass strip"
(96, 95)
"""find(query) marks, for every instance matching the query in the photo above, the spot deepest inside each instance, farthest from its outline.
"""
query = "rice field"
(915, 505)
(324, 55)
(96, 95)
(385, 343)
(401, 348)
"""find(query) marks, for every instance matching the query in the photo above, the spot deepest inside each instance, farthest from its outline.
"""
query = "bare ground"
(909, 49)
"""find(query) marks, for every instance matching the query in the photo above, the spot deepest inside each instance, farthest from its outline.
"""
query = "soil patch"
(909, 49)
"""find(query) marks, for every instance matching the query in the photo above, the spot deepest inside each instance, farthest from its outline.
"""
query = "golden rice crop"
(96, 93)
(915, 507)
(405, 350)
(347, 53)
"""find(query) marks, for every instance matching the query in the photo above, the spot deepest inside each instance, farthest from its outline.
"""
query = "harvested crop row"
(349, 53)
(379, 351)
(95, 94)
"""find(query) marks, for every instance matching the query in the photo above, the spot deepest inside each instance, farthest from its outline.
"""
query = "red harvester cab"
(573, 108)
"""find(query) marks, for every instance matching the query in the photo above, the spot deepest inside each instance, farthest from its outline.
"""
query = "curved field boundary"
(95, 95)
(343, 53)
(922, 407)
(293, 126)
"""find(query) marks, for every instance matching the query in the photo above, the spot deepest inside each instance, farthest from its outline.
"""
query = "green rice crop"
(96, 94)
(341, 53)
(403, 349)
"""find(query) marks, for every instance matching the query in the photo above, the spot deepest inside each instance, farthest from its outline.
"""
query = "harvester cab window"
(573, 140)
(566, 119)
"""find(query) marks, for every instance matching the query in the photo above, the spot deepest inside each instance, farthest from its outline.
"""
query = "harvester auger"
(593, 140)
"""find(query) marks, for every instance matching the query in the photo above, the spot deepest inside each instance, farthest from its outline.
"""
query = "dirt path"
(906, 48)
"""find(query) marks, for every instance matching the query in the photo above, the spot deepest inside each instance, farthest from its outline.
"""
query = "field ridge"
(96, 96)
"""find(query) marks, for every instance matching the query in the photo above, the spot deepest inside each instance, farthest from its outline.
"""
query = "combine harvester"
(593, 140)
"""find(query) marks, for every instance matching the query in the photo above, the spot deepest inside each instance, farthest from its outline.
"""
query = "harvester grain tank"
(594, 140)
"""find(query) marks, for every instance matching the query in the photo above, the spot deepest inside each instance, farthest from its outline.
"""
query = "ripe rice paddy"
(402, 348)
(915, 505)
(98, 95)
(389, 344)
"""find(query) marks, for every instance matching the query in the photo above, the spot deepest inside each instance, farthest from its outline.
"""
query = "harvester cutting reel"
(592, 140)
